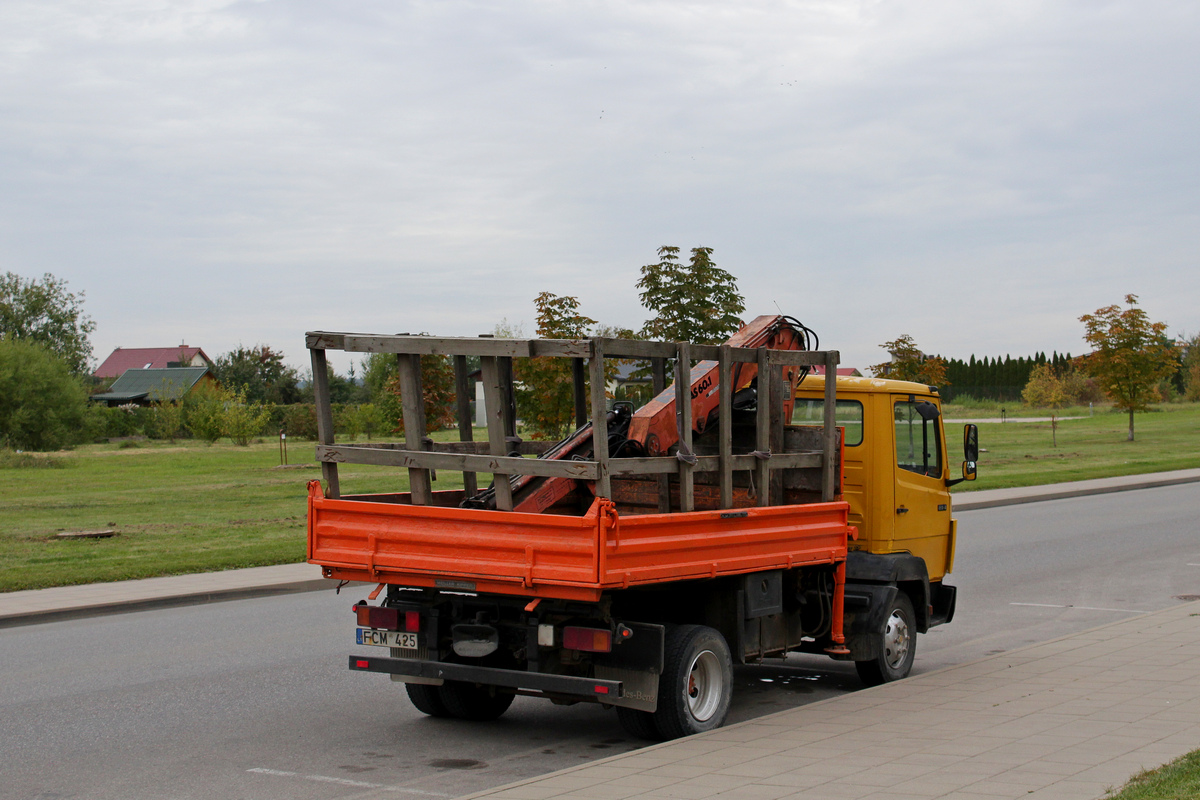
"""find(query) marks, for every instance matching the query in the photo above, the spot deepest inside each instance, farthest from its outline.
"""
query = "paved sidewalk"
(1066, 719)
(990, 498)
(67, 602)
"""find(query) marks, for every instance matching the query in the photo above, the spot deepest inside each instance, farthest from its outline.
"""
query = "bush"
(204, 412)
(243, 419)
(300, 421)
(42, 404)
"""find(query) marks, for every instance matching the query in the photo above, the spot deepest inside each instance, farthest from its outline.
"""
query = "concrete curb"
(1035, 496)
(169, 601)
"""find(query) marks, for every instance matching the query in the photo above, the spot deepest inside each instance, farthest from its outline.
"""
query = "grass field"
(1033, 453)
(191, 507)
(1179, 780)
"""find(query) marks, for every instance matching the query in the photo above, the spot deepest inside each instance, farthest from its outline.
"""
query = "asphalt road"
(252, 699)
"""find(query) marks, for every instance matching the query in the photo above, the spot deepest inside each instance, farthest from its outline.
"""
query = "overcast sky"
(977, 175)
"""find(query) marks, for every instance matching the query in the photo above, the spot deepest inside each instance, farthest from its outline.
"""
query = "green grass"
(1025, 453)
(1179, 780)
(177, 508)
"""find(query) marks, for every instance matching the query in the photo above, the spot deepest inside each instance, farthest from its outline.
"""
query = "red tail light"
(388, 619)
(592, 640)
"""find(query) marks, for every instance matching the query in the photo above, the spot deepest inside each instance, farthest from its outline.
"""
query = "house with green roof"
(145, 386)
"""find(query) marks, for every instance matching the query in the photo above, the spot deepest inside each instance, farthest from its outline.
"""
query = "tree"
(1191, 367)
(694, 303)
(43, 311)
(262, 371)
(545, 391)
(437, 389)
(42, 404)
(204, 411)
(1131, 355)
(1044, 389)
(910, 364)
(168, 412)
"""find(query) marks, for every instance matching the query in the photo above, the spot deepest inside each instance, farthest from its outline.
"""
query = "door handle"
(901, 510)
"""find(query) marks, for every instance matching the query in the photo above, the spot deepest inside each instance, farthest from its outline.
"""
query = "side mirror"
(970, 451)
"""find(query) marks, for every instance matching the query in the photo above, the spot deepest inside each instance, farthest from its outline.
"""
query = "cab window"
(918, 448)
(847, 414)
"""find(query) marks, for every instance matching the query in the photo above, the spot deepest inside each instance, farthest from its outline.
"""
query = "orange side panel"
(558, 556)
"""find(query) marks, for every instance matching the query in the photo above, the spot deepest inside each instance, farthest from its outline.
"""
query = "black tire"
(897, 645)
(639, 724)
(473, 702)
(426, 699)
(696, 684)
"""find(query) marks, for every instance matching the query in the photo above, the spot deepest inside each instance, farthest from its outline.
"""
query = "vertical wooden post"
(829, 454)
(658, 373)
(495, 406)
(466, 431)
(779, 389)
(762, 442)
(599, 420)
(413, 402)
(320, 376)
(580, 387)
(725, 425)
(683, 416)
(510, 398)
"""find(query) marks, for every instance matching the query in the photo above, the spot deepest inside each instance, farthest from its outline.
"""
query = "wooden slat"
(779, 390)
(493, 400)
(828, 475)
(412, 401)
(531, 448)
(452, 345)
(424, 459)
(509, 410)
(651, 465)
(324, 340)
(796, 358)
(658, 376)
(762, 442)
(462, 403)
(599, 419)
(320, 373)
(579, 392)
(683, 414)
(725, 425)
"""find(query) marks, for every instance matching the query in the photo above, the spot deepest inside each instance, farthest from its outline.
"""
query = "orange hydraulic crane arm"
(653, 428)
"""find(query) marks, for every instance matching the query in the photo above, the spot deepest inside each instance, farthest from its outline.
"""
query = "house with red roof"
(126, 358)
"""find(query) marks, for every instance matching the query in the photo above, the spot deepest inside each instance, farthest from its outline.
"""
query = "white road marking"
(341, 781)
(1081, 608)
(1194, 565)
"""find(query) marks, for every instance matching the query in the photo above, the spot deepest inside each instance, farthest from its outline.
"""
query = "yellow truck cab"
(897, 478)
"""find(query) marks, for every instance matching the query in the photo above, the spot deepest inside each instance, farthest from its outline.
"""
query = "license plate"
(406, 641)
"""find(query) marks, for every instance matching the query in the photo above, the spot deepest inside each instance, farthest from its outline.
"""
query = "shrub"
(42, 404)
(300, 421)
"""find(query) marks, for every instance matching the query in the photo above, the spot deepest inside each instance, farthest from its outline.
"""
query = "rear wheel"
(897, 645)
(426, 699)
(639, 724)
(474, 702)
(697, 682)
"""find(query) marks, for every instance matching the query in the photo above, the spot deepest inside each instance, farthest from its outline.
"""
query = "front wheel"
(696, 685)
(897, 646)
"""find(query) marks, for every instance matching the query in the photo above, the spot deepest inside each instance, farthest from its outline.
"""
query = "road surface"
(252, 699)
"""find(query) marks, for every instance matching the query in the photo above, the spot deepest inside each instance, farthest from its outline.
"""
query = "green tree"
(1191, 367)
(243, 419)
(43, 311)
(437, 388)
(262, 371)
(42, 404)
(168, 412)
(698, 302)
(545, 392)
(908, 363)
(204, 411)
(1130, 355)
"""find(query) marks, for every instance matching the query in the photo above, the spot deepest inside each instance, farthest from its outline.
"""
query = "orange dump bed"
(558, 556)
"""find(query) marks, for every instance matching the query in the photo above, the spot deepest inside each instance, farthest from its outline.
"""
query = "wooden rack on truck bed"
(630, 564)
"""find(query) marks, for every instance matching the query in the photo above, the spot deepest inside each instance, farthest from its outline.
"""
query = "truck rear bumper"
(593, 688)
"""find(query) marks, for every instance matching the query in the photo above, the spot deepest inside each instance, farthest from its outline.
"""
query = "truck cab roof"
(816, 384)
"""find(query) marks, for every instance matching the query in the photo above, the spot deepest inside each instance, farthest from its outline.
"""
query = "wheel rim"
(896, 639)
(704, 686)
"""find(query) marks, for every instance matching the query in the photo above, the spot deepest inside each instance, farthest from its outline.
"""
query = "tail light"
(592, 640)
(388, 619)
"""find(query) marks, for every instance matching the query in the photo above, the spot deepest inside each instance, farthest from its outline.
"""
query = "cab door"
(922, 502)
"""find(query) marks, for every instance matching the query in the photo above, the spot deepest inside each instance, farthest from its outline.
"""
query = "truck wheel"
(426, 699)
(897, 646)
(639, 724)
(696, 684)
(473, 702)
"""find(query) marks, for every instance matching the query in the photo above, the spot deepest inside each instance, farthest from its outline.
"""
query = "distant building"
(145, 386)
(126, 358)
